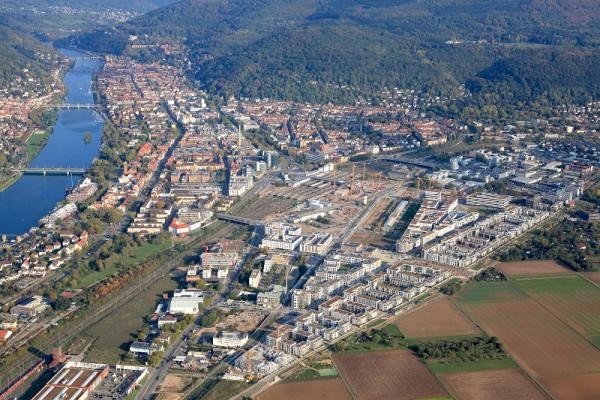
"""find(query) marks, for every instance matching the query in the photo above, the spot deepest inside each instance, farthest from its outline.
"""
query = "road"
(158, 374)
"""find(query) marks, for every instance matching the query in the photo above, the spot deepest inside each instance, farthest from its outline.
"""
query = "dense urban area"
(257, 243)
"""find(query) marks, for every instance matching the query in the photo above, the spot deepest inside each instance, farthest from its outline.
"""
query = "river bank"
(40, 133)
(74, 142)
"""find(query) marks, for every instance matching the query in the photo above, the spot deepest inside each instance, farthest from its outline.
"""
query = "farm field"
(535, 338)
(438, 318)
(529, 268)
(501, 384)
(593, 276)
(405, 377)
(487, 292)
(582, 387)
(572, 298)
(471, 366)
(321, 389)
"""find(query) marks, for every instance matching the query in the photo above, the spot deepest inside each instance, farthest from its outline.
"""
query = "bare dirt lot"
(320, 389)
(174, 385)
(537, 340)
(501, 384)
(245, 321)
(438, 318)
(582, 387)
(529, 268)
(388, 375)
(367, 238)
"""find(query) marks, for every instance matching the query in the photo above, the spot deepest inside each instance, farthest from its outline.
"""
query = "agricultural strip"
(531, 268)
(388, 375)
(436, 319)
(536, 339)
(582, 387)
(322, 389)
(501, 384)
(572, 299)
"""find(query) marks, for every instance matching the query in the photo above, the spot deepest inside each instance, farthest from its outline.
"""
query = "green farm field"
(487, 292)
(572, 298)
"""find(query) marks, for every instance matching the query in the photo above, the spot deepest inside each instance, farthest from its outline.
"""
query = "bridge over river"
(51, 171)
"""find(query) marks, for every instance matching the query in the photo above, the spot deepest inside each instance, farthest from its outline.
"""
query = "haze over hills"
(318, 50)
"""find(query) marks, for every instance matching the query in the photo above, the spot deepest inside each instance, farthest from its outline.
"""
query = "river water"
(33, 196)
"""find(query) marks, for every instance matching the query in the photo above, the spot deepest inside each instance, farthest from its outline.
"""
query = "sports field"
(438, 318)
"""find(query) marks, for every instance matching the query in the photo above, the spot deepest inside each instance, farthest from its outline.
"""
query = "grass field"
(438, 318)
(97, 276)
(36, 143)
(115, 332)
(357, 343)
(141, 254)
(485, 292)
(225, 389)
(572, 298)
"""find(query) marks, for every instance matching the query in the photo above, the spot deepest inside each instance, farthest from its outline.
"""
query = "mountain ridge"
(281, 48)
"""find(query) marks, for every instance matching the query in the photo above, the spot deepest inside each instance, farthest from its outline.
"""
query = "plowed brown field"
(501, 384)
(388, 375)
(320, 389)
(582, 387)
(528, 268)
(438, 318)
(536, 339)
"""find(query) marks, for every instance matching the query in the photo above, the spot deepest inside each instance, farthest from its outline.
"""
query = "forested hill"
(338, 49)
(19, 52)
(96, 5)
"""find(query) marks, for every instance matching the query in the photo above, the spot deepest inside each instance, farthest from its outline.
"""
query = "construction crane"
(334, 180)
(353, 177)
(376, 177)
(364, 174)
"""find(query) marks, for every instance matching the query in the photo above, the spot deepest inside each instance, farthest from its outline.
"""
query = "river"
(34, 196)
